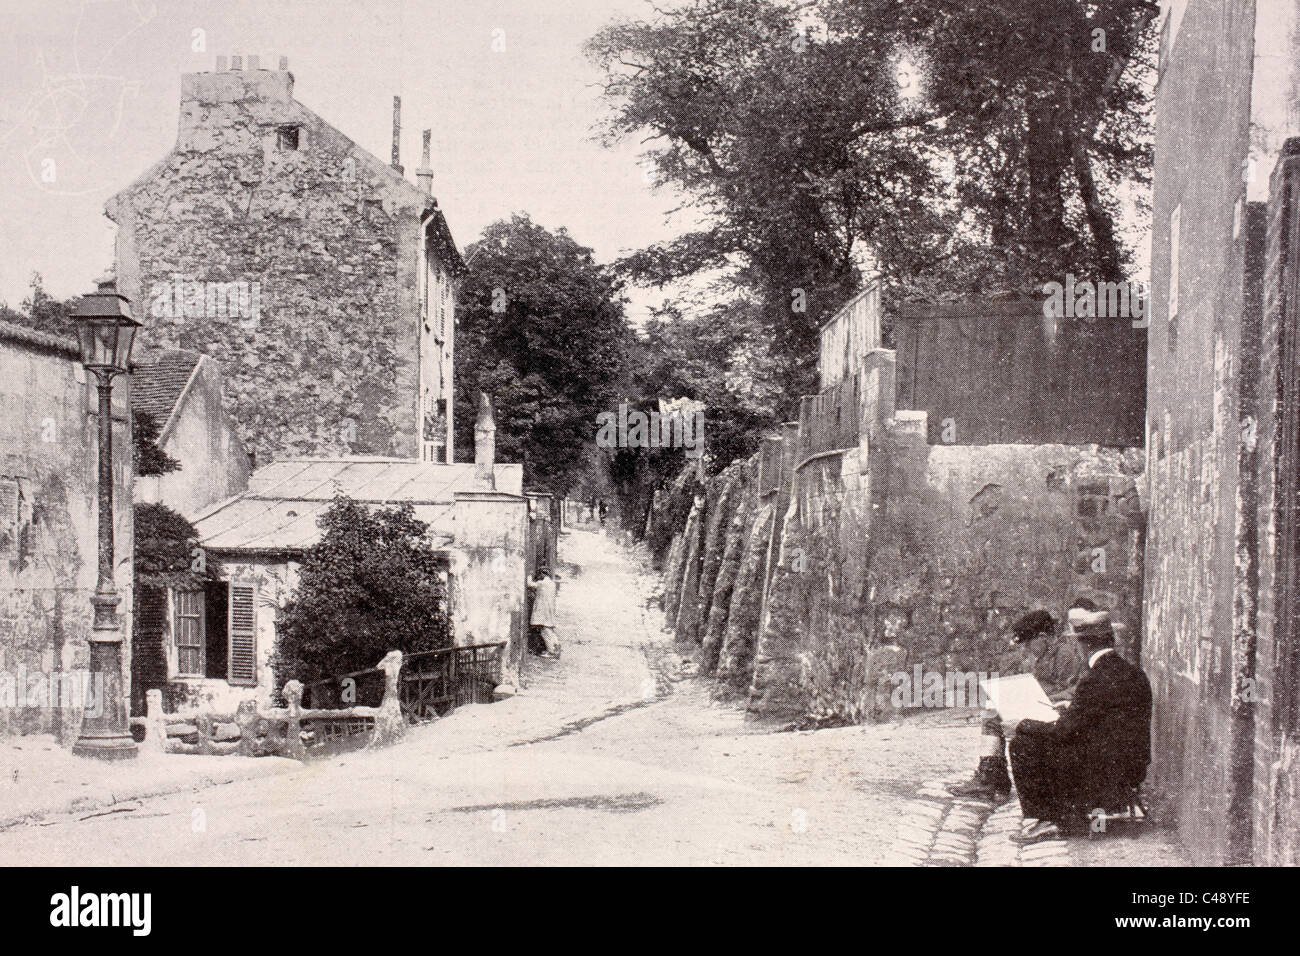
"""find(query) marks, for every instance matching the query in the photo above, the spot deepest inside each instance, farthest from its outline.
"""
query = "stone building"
(182, 392)
(316, 275)
(1220, 639)
(49, 529)
(217, 643)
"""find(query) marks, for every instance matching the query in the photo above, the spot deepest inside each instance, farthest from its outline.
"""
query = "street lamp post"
(105, 331)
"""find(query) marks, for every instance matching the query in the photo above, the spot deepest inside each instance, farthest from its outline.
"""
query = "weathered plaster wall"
(49, 532)
(491, 552)
(204, 439)
(838, 571)
(330, 365)
(1197, 646)
(1276, 778)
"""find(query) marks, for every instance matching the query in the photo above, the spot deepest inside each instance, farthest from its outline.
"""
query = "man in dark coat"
(1056, 666)
(1097, 751)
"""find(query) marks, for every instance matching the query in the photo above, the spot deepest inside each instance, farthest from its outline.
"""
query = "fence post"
(389, 724)
(293, 735)
(155, 735)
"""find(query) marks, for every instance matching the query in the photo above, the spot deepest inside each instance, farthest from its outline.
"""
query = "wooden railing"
(829, 421)
(432, 683)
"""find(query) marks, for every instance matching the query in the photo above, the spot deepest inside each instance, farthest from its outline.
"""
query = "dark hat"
(1029, 626)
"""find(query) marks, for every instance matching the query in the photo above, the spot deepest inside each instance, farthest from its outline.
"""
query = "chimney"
(425, 173)
(397, 134)
(485, 442)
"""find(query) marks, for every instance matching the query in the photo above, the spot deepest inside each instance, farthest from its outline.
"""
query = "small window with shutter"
(243, 634)
(191, 640)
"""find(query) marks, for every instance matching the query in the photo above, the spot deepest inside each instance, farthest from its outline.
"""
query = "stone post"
(293, 735)
(389, 723)
(155, 735)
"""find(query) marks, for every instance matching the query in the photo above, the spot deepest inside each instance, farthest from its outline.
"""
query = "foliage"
(541, 330)
(716, 357)
(43, 312)
(165, 555)
(372, 584)
(956, 148)
(146, 456)
(1043, 107)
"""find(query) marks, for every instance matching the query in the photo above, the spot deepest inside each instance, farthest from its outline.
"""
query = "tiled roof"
(284, 500)
(158, 381)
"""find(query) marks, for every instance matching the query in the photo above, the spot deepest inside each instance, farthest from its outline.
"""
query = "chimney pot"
(236, 62)
(221, 64)
(254, 62)
(397, 134)
(284, 64)
(425, 173)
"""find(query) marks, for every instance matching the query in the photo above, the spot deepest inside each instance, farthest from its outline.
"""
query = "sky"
(89, 94)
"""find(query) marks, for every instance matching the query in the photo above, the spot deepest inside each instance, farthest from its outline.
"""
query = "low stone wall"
(290, 731)
(927, 556)
(806, 586)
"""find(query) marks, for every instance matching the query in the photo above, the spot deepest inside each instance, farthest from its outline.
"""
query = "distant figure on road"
(544, 587)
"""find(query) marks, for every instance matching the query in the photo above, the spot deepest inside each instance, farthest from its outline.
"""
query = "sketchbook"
(1020, 697)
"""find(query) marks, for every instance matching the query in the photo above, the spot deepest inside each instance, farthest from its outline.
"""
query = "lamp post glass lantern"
(105, 333)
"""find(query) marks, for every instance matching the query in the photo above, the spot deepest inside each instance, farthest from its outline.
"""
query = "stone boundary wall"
(806, 592)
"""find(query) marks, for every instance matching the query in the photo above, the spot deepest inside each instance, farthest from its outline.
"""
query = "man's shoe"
(1040, 832)
(981, 790)
(990, 782)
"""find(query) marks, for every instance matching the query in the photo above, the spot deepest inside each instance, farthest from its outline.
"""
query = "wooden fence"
(1000, 372)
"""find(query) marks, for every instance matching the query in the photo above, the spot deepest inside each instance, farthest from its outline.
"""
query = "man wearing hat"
(1099, 748)
(1033, 637)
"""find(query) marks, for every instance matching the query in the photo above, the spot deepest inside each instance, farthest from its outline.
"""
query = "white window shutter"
(243, 634)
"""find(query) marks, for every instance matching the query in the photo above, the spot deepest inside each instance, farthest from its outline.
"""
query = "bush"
(372, 584)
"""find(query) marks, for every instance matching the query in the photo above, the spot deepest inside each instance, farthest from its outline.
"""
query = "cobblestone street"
(608, 756)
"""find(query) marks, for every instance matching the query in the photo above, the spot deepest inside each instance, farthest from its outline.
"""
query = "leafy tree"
(372, 584)
(147, 457)
(717, 357)
(956, 148)
(43, 312)
(1043, 107)
(541, 330)
(761, 131)
(164, 551)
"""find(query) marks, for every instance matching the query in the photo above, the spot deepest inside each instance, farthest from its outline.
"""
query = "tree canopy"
(541, 330)
(955, 148)
(372, 584)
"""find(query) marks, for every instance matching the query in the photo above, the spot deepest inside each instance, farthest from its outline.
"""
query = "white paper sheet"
(1020, 697)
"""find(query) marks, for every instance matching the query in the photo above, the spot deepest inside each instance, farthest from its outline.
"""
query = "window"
(215, 632)
(286, 138)
(191, 639)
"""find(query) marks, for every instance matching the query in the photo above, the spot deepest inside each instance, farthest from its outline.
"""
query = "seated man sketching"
(1055, 666)
(1096, 752)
